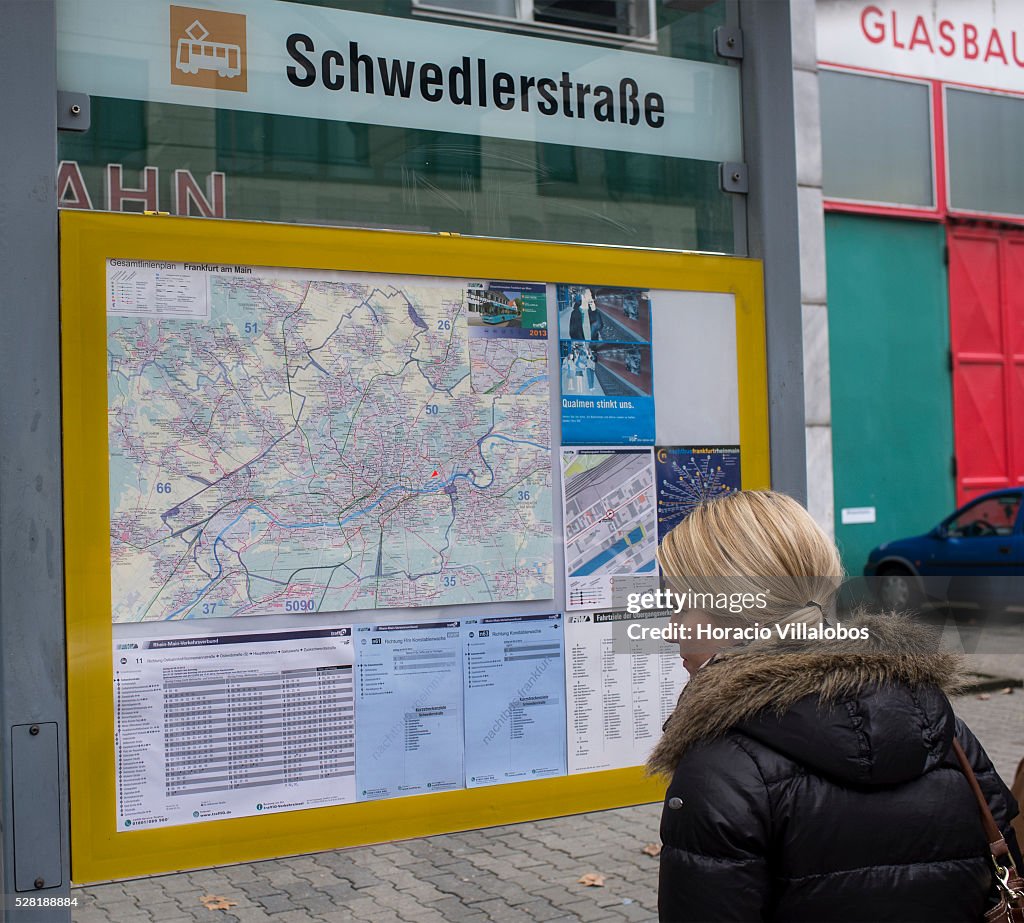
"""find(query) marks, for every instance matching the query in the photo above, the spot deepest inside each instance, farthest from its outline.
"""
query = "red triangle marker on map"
(434, 475)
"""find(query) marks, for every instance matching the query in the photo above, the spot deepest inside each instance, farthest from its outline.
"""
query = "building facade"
(920, 119)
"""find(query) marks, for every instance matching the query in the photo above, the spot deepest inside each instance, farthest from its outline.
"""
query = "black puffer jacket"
(816, 783)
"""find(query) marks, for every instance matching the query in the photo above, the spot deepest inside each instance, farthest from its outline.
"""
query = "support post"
(772, 227)
(34, 842)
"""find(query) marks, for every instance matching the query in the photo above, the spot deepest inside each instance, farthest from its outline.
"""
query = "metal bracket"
(729, 42)
(733, 177)
(74, 111)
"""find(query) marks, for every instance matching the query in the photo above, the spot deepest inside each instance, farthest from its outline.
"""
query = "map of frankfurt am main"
(293, 441)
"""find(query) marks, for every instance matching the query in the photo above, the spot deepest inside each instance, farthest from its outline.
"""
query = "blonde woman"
(811, 780)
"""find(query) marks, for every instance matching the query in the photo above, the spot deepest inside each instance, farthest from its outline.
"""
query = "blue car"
(975, 557)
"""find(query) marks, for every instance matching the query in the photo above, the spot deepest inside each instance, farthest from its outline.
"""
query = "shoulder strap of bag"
(996, 842)
(1010, 908)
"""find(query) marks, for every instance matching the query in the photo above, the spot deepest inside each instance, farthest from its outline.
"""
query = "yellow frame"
(99, 851)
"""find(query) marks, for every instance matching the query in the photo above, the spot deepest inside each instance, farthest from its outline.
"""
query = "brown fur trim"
(776, 674)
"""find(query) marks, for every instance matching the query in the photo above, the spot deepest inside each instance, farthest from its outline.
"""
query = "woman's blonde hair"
(756, 542)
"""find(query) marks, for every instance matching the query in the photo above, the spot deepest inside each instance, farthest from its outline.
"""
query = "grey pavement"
(515, 874)
(996, 649)
(520, 873)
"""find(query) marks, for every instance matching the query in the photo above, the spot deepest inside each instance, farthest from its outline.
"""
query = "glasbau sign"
(293, 59)
(962, 41)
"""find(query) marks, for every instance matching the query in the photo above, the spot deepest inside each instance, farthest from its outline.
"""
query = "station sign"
(295, 59)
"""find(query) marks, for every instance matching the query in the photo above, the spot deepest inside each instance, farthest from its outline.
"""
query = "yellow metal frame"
(99, 851)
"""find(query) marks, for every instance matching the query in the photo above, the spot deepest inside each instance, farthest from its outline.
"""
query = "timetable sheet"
(514, 698)
(233, 724)
(620, 690)
(408, 709)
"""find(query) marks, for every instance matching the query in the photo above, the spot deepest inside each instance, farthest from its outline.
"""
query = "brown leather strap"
(996, 842)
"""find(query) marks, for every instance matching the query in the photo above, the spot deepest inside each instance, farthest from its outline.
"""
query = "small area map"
(610, 522)
(509, 366)
(310, 441)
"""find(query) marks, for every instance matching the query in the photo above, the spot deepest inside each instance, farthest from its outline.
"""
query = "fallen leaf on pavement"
(984, 697)
(592, 880)
(652, 849)
(217, 902)
(1008, 690)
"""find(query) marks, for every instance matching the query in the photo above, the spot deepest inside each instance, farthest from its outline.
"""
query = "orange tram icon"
(194, 54)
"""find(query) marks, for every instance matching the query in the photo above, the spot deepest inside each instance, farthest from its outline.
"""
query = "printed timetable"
(620, 691)
(408, 709)
(515, 698)
(232, 725)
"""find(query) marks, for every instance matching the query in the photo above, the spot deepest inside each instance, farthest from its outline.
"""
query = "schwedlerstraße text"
(470, 83)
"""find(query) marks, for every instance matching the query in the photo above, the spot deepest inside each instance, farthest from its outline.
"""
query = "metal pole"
(772, 227)
(34, 846)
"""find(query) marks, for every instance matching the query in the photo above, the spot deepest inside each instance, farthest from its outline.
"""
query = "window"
(876, 139)
(632, 19)
(985, 135)
(993, 516)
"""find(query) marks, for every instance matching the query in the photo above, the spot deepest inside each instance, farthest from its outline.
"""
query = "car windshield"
(992, 516)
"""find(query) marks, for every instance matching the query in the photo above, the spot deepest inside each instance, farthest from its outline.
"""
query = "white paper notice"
(150, 288)
(619, 691)
(232, 725)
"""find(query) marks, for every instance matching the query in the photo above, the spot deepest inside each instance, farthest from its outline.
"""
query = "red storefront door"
(986, 311)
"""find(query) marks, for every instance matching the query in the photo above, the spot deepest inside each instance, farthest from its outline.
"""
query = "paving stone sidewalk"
(515, 874)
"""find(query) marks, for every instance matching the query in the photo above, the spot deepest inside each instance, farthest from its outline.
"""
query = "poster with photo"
(517, 310)
(688, 475)
(605, 365)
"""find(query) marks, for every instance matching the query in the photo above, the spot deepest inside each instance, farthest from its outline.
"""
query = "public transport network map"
(290, 441)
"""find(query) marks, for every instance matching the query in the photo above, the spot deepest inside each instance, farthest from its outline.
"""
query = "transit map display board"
(294, 442)
(337, 564)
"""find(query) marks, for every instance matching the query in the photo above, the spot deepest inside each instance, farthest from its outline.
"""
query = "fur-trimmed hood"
(869, 712)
